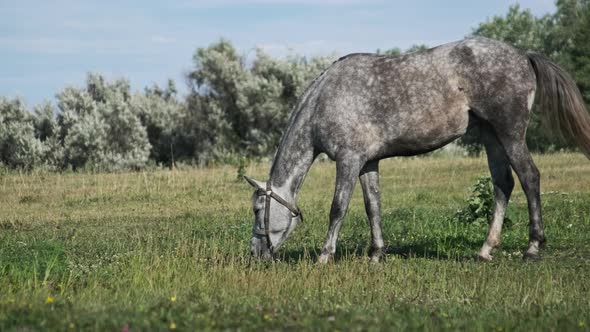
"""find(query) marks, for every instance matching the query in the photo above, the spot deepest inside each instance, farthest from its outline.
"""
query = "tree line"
(236, 108)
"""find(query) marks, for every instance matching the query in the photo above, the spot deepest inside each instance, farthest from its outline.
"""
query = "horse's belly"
(423, 130)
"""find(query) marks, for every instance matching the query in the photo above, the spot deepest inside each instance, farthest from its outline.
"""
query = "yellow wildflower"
(173, 299)
(172, 326)
(49, 300)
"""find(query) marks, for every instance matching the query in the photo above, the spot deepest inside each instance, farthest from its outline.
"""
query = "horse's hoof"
(376, 255)
(375, 259)
(325, 258)
(531, 256)
(484, 257)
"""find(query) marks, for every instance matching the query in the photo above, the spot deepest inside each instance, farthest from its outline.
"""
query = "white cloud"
(64, 45)
(223, 3)
(72, 46)
(158, 39)
(312, 47)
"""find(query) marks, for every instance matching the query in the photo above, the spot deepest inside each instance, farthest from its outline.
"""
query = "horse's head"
(274, 219)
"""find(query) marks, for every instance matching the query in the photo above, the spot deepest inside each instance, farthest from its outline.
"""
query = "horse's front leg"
(370, 183)
(347, 170)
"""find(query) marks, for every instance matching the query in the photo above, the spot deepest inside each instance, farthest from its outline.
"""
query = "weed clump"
(480, 205)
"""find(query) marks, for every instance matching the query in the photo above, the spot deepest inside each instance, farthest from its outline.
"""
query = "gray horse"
(366, 107)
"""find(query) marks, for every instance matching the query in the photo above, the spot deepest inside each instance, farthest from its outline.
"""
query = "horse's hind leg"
(370, 182)
(347, 170)
(503, 185)
(528, 174)
(511, 130)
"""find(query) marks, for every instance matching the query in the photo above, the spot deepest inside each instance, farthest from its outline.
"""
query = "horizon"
(47, 47)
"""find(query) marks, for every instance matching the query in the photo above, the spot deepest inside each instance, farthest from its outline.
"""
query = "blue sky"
(47, 45)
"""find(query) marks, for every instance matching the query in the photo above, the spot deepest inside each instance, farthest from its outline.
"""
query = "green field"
(164, 249)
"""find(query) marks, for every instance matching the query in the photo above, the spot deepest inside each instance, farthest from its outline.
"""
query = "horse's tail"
(562, 108)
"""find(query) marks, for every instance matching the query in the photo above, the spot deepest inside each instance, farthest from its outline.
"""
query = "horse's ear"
(254, 183)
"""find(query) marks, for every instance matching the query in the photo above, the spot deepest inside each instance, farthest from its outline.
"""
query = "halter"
(269, 194)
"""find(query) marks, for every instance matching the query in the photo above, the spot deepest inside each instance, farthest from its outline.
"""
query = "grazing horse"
(367, 107)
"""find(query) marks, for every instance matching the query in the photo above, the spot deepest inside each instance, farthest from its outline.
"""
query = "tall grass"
(169, 250)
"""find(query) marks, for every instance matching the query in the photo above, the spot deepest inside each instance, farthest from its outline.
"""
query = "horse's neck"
(291, 164)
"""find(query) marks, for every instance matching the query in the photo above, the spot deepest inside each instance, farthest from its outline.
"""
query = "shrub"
(98, 129)
(19, 148)
(480, 205)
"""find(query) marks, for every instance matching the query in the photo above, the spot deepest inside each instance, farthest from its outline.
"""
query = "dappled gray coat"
(366, 107)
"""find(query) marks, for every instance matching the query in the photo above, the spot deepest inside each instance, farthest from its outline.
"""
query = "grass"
(165, 250)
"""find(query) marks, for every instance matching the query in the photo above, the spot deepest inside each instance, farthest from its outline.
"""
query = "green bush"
(480, 205)
(19, 147)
